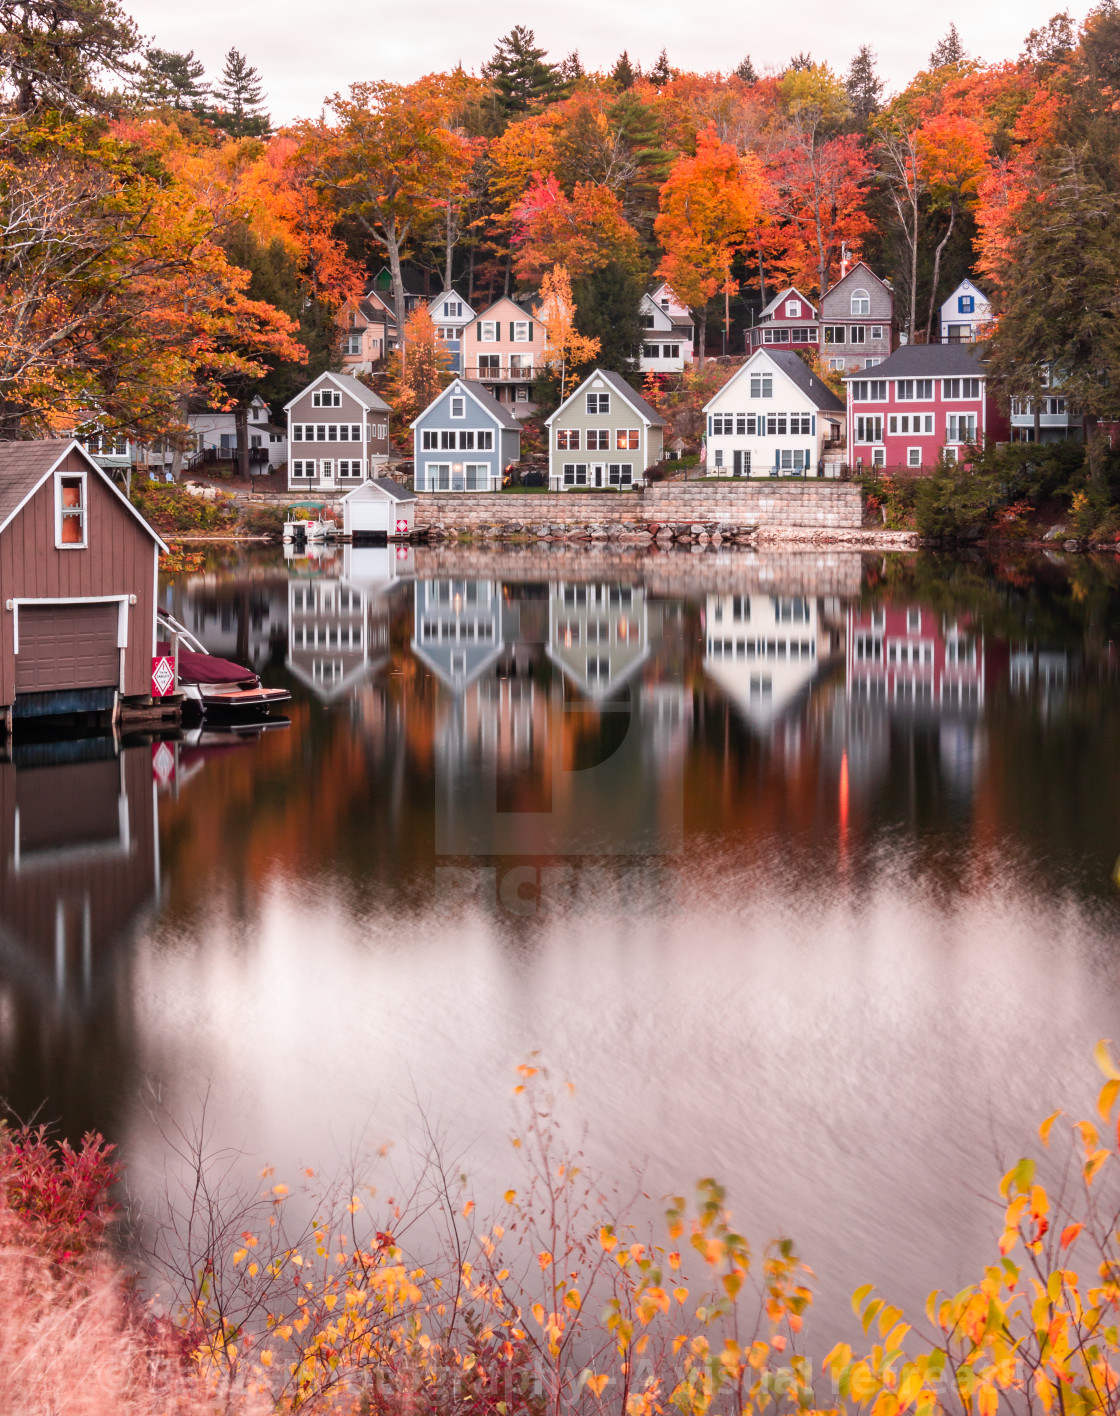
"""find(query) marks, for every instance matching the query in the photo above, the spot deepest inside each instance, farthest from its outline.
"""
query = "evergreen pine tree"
(746, 71)
(864, 86)
(520, 74)
(624, 73)
(799, 62)
(174, 80)
(571, 68)
(948, 50)
(239, 99)
(607, 303)
(661, 74)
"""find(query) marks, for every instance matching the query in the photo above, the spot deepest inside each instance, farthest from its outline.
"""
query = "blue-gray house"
(464, 440)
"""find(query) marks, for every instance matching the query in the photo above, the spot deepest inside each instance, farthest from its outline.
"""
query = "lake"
(797, 866)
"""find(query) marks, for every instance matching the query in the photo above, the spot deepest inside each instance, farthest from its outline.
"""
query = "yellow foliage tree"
(564, 346)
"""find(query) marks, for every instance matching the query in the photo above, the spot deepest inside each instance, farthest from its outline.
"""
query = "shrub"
(951, 500)
(263, 520)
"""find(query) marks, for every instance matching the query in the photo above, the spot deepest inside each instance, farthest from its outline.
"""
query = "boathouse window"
(326, 398)
(70, 511)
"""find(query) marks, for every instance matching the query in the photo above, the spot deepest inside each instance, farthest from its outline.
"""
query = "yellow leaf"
(597, 1384)
(266, 1358)
(1103, 1058)
(544, 1258)
(510, 1196)
(253, 1270)
(239, 1254)
(538, 1313)
(330, 1299)
(1046, 1127)
(1107, 1099)
(280, 1190)
(680, 1294)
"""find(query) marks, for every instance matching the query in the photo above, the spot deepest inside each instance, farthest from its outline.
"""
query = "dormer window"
(70, 511)
(326, 398)
(793, 309)
(452, 309)
(861, 302)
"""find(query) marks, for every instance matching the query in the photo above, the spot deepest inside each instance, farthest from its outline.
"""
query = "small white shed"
(379, 507)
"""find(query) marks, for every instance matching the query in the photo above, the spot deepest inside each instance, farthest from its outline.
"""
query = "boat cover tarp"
(205, 668)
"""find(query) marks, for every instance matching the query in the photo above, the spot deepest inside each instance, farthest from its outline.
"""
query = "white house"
(764, 651)
(379, 506)
(215, 436)
(451, 314)
(772, 418)
(667, 337)
(965, 315)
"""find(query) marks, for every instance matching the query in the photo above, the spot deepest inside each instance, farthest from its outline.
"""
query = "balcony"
(499, 373)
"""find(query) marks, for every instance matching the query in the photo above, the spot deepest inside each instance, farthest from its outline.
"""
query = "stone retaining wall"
(811, 505)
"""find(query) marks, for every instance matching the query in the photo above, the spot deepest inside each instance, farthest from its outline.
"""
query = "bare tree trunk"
(703, 336)
(913, 275)
(937, 267)
(448, 248)
(509, 262)
(241, 426)
(727, 312)
(394, 248)
(761, 279)
(470, 278)
(1036, 408)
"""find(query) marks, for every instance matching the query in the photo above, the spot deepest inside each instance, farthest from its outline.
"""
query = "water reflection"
(798, 865)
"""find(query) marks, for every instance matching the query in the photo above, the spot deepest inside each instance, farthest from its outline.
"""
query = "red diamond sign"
(402, 527)
(163, 675)
(163, 763)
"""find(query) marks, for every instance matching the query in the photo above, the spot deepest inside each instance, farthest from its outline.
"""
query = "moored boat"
(215, 687)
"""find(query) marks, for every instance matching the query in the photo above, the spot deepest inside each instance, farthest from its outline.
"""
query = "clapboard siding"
(119, 559)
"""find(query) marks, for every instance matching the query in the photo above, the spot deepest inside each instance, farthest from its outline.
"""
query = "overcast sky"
(308, 51)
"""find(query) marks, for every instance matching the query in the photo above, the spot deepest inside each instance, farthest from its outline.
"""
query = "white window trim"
(122, 603)
(83, 544)
(910, 451)
(461, 399)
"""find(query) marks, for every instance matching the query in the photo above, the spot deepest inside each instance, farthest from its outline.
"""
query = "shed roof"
(25, 466)
(925, 360)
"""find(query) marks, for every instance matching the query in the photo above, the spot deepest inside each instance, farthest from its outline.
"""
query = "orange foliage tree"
(710, 206)
(583, 233)
(953, 154)
(564, 347)
(412, 384)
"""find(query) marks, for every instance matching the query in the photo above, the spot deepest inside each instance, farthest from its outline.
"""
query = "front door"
(326, 472)
(599, 473)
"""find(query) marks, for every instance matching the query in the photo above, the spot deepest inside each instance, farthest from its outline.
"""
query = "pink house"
(913, 657)
(924, 402)
(788, 322)
(501, 349)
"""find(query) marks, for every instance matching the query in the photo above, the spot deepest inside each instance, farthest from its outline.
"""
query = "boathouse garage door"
(67, 646)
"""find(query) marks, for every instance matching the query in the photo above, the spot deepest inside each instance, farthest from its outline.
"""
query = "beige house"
(603, 435)
(367, 332)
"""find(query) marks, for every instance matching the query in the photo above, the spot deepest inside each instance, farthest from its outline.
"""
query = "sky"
(305, 52)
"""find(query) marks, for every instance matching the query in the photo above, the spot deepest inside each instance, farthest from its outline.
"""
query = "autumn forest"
(164, 245)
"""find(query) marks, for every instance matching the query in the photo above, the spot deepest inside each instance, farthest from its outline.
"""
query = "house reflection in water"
(542, 741)
(338, 618)
(79, 867)
(764, 651)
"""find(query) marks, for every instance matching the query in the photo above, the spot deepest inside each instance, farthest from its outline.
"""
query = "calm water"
(799, 868)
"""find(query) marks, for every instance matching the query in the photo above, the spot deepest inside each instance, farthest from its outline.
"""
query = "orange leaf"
(1070, 1233)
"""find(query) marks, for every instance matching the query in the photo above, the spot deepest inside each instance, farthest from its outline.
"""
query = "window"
(960, 388)
(520, 331)
(485, 440)
(858, 334)
(911, 423)
(598, 670)
(869, 391)
(349, 467)
(879, 457)
(647, 322)
(297, 432)
(836, 363)
(869, 429)
(793, 309)
(567, 439)
(478, 476)
(447, 439)
(429, 439)
(762, 385)
(835, 334)
(913, 457)
(521, 366)
(458, 407)
(326, 398)
(303, 469)
(806, 335)
(575, 474)
(671, 351)
(775, 336)
(722, 422)
(802, 424)
(452, 309)
(438, 476)
(740, 423)
(70, 511)
(352, 344)
(488, 331)
(718, 462)
(626, 439)
(651, 351)
(598, 403)
(961, 427)
(466, 439)
(620, 474)
(598, 439)
(950, 455)
(521, 394)
(966, 304)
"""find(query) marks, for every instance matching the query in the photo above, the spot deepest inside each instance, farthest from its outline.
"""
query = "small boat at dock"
(216, 688)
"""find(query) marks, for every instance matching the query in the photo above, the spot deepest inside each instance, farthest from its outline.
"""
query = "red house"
(906, 656)
(925, 401)
(788, 322)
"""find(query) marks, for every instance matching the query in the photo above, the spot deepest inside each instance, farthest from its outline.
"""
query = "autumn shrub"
(263, 521)
(171, 508)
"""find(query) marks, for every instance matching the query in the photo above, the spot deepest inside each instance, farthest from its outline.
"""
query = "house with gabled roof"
(966, 315)
(338, 434)
(367, 332)
(857, 320)
(667, 337)
(789, 321)
(458, 628)
(604, 434)
(450, 315)
(772, 418)
(79, 566)
(502, 349)
(464, 440)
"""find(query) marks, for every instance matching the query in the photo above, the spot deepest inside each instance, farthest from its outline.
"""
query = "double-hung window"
(626, 439)
(598, 403)
(762, 385)
(488, 331)
(520, 331)
(961, 427)
(861, 302)
(567, 439)
(326, 398)
(458, 408)
(598, 439)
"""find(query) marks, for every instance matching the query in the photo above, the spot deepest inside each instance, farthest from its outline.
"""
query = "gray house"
(464, 440)
(338, 434)
(857, 321)
(603, 435)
